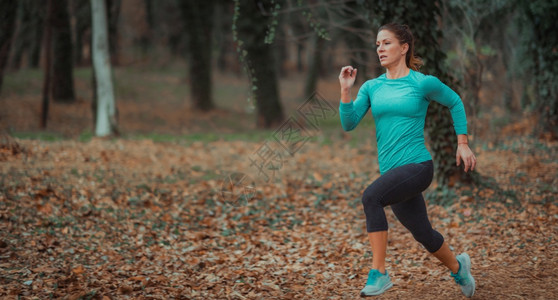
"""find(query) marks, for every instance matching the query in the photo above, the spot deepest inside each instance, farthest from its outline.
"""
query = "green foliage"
(487, 50)
(242, 53)
(270, 35)
(86, 136)
(314, 22)
(42, 136)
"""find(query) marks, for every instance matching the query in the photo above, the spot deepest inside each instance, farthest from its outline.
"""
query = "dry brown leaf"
(45, 208)
(78, 270)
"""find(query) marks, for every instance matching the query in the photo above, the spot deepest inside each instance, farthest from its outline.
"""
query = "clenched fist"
(347, 77)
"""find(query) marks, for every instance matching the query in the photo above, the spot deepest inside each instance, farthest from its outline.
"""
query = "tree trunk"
(35, 51)
(27, 42)
(63, 64)
(266, 94)
(280, 52)
(314, 67)
(113, 13)
(149, 14)
(82, 14)
(222, 33)
(542, 15)
(198, 21)
(48, 64)
(260, 61)
(106, 112)
(8, 10)
(21, 39)
(296, 23)
(146, 40)
(299, 51)
(473, 81)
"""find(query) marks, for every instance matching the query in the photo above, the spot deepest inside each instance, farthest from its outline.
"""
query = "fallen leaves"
(135, 219)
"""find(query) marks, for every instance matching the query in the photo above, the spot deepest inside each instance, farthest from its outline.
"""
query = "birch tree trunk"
(105, 116)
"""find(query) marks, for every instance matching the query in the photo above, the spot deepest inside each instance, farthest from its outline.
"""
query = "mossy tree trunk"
(252, 27)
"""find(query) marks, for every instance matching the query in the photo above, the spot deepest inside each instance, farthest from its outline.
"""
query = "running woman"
(398, 100)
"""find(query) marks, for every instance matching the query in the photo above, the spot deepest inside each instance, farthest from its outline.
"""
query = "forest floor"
(153, 215)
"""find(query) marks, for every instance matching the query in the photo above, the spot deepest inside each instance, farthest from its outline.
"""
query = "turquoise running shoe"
(463, 276)
(376, 284)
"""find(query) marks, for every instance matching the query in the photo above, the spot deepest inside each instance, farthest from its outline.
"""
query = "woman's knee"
(371, 197)
(431, 239)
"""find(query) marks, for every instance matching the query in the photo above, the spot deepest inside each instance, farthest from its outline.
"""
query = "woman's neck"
(398, 71)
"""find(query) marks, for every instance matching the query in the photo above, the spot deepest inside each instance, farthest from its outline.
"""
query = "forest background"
(203, 156)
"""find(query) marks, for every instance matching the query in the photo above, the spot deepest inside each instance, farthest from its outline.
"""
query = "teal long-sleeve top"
(399, 109)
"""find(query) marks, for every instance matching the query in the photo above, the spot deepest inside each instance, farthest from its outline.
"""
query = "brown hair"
(405, 36)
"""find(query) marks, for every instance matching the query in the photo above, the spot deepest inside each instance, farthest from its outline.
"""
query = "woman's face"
(390, 51)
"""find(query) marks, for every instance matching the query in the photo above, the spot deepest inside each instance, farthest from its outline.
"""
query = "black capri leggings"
(402, 188)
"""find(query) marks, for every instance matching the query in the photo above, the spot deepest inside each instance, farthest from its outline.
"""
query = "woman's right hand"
(347, 77)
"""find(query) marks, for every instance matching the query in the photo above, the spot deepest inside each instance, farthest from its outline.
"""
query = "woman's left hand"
(464, 153)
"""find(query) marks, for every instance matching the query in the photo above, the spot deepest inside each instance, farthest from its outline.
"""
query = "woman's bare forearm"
(346, 95)
(462, 139)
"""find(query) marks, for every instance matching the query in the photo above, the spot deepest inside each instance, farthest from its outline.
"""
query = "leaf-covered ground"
(119, 219)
